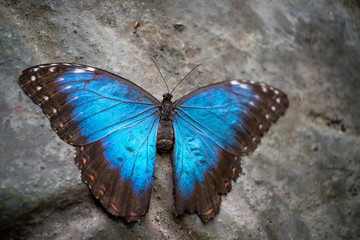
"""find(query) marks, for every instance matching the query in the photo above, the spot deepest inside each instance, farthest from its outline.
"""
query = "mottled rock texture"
(302, 182)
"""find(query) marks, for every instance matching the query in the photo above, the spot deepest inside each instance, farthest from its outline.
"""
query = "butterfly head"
(167, 97)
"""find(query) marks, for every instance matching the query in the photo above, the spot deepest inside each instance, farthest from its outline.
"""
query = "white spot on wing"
(251, 103)
(267, 116)
(273, 108)
(46, 98)
(79, 71)
(278, 100)
(276, 92)
(242, 85)
(68, 87)
(32, 78)
(54, 110)
(36, 69)
(38, 88)
(60, 79)
(52, 69)
(90, 69)
(264, 89)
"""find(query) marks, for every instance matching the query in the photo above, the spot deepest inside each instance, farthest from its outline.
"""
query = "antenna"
(179, 81)
(160, 74)
(185, 77)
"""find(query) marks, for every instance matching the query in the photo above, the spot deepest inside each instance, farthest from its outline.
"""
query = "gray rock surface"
(302, 182)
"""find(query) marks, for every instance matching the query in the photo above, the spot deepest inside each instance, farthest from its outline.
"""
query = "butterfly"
(117, 127)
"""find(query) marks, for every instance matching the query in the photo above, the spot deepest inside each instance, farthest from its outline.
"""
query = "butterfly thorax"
(166, 108)
(165, 134)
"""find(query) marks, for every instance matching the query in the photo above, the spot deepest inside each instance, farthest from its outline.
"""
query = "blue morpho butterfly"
(117, 127)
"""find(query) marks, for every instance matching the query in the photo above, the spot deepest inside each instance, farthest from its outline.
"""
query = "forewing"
(85, 104)
(214, 126)
(113, 123)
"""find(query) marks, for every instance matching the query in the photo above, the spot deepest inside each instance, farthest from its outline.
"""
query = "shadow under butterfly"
(117, 127)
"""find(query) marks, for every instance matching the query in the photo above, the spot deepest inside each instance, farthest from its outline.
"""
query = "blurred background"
(302, 182)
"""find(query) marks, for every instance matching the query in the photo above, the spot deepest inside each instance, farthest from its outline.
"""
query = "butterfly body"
(117, 127)
(165, 135)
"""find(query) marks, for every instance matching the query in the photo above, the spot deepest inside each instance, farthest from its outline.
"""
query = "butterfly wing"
(214, 126)
(113, 123)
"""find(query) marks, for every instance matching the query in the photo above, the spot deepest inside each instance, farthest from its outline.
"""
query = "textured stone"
(302, 182)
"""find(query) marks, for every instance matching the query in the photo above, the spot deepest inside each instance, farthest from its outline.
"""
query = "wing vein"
(203, 127)
(102, 129)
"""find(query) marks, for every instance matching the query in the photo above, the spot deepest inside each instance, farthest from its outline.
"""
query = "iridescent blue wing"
(113, 123)
(214, 126)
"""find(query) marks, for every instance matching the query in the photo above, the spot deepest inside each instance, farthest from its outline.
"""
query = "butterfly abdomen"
(165, 136)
